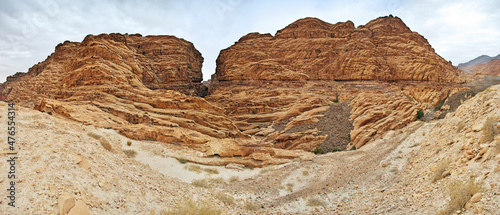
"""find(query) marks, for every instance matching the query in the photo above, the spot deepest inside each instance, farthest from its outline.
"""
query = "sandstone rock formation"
(388, 71)
(384, 49)
(136, 85)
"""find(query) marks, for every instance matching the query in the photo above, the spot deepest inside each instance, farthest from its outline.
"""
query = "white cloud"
(458, 30)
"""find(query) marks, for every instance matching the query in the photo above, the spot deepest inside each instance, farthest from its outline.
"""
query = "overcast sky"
(30, 29)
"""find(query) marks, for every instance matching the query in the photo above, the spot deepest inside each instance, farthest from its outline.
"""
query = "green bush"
(420, 114)
(318, 150)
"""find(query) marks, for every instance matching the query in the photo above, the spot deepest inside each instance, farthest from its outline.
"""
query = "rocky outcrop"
(384, 49)
(266, 83)
(139, 86)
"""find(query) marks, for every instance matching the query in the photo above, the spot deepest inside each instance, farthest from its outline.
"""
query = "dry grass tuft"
(130, 153)
(211, 171)
(198, 169)
(440, 168)
(315, 202)
(188, 206)
(234, 179)
(460, 193)
(105, 144)
(208, 182)
(225, 198)
(489, 130)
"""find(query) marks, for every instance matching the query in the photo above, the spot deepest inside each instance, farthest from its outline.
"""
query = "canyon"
(376, 95)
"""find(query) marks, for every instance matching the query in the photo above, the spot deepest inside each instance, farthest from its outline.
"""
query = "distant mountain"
(466, 67)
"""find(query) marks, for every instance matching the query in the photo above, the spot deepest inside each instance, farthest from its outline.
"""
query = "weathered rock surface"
(267, 82)
(135, 85)
(384, 49)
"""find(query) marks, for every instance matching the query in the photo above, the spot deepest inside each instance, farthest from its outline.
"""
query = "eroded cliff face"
(272, 99)
(147, 88)
(384, 49)
(383, 70)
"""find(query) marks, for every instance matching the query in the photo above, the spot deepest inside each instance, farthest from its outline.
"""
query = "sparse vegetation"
(420, 114)
(289, 187)
(129, 143)
(305, 173)
(105, 144)
(130, 153)
(193, 168)
(211, 171)
(224, 198)
(250, 166)
(315, 202)
(266, 170)
(460, 193)
(198, 169)
(94, 135)
(208, 182)
(489, 130)
(318, 150)
(187, 206)
(439, 106)
(251, 206)
(460, 126)
(234, 179)
(337, 149)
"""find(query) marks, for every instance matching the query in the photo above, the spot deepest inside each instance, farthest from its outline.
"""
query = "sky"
(458, 30)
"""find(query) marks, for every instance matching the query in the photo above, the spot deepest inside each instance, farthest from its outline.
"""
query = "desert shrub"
(251, 206)
(130, 153)
(129, 143)
(94, 135)
(337, 149)
(460, 193)
(289, 187)
(250, 166)
(208, 182)
(489, 130)
(315, 202)
(106, 144)
(438, 107)
(224, 198)
(187, 206)
(182, 160)
(193, 168)
(305, 173)
(211, 170)
(440, 168)
(318, 150)
(234, 179)
(420, 114)
(266, 170)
